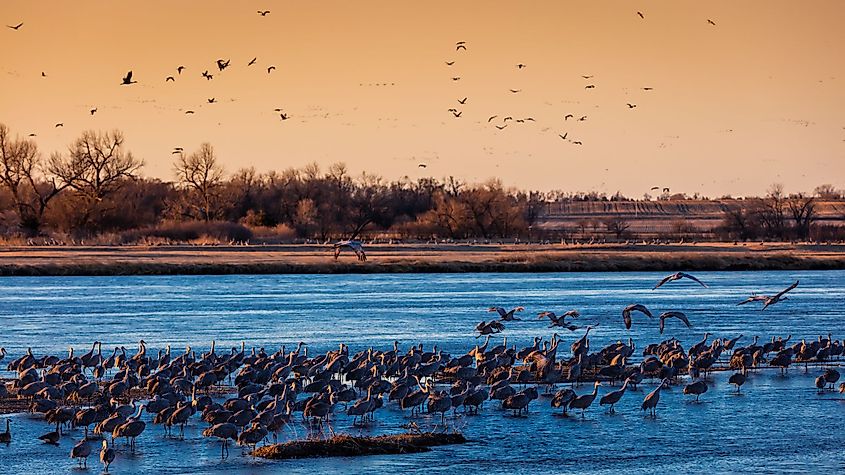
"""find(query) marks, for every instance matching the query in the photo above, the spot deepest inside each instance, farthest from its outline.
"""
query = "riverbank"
(421, 258)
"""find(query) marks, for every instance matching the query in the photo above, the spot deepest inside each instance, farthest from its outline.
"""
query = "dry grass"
(315, 259)
(349, 446)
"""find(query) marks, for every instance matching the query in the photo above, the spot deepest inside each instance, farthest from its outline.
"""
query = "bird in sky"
(590, 86)
(500, 127)
(252, 61)
(507, 119)
(271, 69)
(179, 69)
(208, 76)
(520, 66)
(422, 165)
(679, 276)
(582, 118)
(189, 112)
(16, 27)
(491, 118)
(515, 90)
(647, 88)
(449, 63)
(128, 79)
(93, 111)
(457, 114)
(631, 106)
(563, 136)
(577, 142)
(43, 74)
(462, 101)
(456, 78)
(460, 45)
(33, 135)
(60, 124)
(568, 116)
(655, 188)
(587, 77)
(641, 15)
(169, 78)
(711, 22)
(284, 116)
(212, 100)
(221, 65)
(263, 12)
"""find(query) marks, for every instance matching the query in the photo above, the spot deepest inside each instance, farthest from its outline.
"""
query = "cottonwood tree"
(201, 175)
(803, 211)
(96, 166)
(22, 175)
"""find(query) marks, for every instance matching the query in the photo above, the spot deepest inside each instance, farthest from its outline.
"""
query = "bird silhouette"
(270, 69)
(169, 78)
(460, 45)
(189, 112)
(587, 77)
(711, 22)
(422, 165)
(500, 127)
(283, 116)
(60, 124)
(221, 65)
(43, 74)
(462, 101)
(590, 86)
(563, 136)
(577, 142)
(93, 111)
(641, 15)
(491, 118)
(515, 90)
(207, 76)
(456, 78)
(457, 114)
(631, 106)
(582, 118)
(212, 100)
(520, 66)
(33, 135)
(252, 61)
(16, 27)
(507, 119)
(449, 63)
(263, 12)
(568, 116)
(179, 69)
(647, 88)
(128, 79)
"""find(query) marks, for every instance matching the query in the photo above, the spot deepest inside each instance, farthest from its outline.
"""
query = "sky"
(758, 98)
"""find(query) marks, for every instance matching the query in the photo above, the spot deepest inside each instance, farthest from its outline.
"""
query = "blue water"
(778, 424)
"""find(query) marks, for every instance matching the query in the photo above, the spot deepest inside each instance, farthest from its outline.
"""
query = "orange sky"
(758, 98)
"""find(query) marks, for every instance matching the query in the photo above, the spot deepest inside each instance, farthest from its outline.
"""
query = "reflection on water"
(773, 426)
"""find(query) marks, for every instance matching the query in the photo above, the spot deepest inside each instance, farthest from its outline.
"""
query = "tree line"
(96, 187)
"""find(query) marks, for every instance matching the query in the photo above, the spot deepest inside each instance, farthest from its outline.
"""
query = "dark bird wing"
(665, 279)
(691, 277)
(784, 291)
(626, 316)
(492, 117)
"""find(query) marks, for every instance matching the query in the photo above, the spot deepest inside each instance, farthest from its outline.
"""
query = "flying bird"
(221, 65)
(283, 116)
(16, 27)
(179, 69)
(655, 188)
(647, 88)
(500, 127)
(422, 165)
(679, 315)
(252, 61)
(456, 78)
(587, 77)
(520, 66)
(515, 90)
(779, 296)
(462, 101)
(270, 69)
(189, 112)
(577, 142)
(457, 114)
(568, 116)
(641, 15)
(263, 12)
(491, 118)
(449, 63)
(679, 276)
(128, 79)
(563, 136)
(711, 22)
(626, 313)
(507, 119)
(169, 78)
(590, 86)
(582, 118)
(212, 100)
(631, 106)
(460, 45)
(43, 74)
(60, 124)
(207, 76)
(93, 111)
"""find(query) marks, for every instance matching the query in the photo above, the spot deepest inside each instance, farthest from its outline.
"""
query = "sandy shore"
(384, 258)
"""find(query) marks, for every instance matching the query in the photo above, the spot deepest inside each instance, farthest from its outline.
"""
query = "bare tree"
(771, 211)
(22, 174)
(827, 192)
(200, 173)
(803, 210)
(617, 225)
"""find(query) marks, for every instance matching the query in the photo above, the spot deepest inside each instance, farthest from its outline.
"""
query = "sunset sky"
(757, 98)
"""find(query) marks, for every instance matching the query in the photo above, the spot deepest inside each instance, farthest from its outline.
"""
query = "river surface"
(777, 424)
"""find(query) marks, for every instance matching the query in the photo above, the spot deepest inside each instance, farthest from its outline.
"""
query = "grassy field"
(139, 260)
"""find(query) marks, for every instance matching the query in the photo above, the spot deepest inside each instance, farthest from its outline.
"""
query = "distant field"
(413, 258)
(653, 218)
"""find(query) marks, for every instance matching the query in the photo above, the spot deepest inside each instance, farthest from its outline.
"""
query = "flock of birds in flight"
(461, 46)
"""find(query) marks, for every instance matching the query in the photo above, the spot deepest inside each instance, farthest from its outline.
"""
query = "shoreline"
(414, 258)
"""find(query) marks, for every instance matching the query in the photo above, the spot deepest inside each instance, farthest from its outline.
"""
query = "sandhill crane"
(6, 437)
(678, 276)
(737, 379)
(626, 313)
(651, 400)
(563, 398)
(355, 246)
(778, 296)
(696, 389)
(81, 451)
(679, 315)
(361, 407)
(505, 315)
(584, 401)
(106, 456)
(223, 431)
(131, 429)
(51, 438)
(613, 397)
(252, 435)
